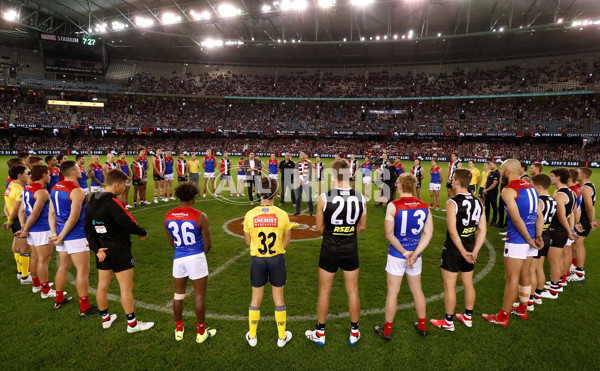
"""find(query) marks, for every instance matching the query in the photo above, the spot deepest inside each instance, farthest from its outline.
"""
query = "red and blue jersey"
(273, 168)
(527, 201)
(61, 201)
(182, 224)
(398, 168)
(366, 168)
(144, 161)
(123, 166)
(240, 168)
(41, 224)
(209, 164)
(436, 175)
(169, 165)
(54, 178)
(409, 221)
(98, 174)
(83, 180)
(576, 189)
(8, 180)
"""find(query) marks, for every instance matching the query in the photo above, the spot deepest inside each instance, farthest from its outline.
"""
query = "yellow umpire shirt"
(484, 177)
(266, 226)
(13, 194)
(476, 173)
(194, 166)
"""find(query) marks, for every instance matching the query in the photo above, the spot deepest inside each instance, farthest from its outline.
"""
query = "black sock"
(468, 312)
(354, 325)
(538, 292)
(449, 318)
(320, 326)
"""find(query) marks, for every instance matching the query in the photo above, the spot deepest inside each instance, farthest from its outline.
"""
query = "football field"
(559, 334)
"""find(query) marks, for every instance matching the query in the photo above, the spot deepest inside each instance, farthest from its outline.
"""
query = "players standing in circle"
(319, 167)
(541, 182)
(225, 171)
(124, 167)
(408, 228)
(483, 181)
(341, 216)
(66, 214)
(158, 170)
(365, 169)
(208, 164)
(561, 229)
(168, 183)
(475, 179)
(37, 230)
(96, 174)
(490, 192)
(466, 225)
(587, 222)
(525, 223)
(54, 171)
(353, 169)
(107, 227)
(267, 231)
(241, 177)
(80, 160)
(452, 166)
(144, 161)
(137, 178)
(182, 168)
(435, 185)
(188, 233)
(417, 172)
(13, 197)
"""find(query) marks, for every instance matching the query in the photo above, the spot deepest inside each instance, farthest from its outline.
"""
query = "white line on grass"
(168, 308)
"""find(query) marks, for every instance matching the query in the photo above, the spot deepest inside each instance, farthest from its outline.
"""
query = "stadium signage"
(75, 104)
(63, 39)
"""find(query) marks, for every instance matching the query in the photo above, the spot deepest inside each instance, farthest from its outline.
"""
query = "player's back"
(41, 225)
(61, 200)
(569, 206)
(266, 226)
(527, 202)
(343, 209)
(468, 214)
(182, 223)
(409, 220)
(549, 212)
(584, 215)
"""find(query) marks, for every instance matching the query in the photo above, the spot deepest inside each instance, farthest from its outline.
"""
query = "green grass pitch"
(559, 334)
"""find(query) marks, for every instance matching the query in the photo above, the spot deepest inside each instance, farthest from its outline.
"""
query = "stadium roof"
(314, 32)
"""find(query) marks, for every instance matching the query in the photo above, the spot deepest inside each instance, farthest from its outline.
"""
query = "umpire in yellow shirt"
(472, 188)
(194, 170)
(267, 230)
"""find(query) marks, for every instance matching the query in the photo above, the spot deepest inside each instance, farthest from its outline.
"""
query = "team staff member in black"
(107, 228)
(491, 193)
(341, 215)
(466, 233)
(286, 168)
(389, 177)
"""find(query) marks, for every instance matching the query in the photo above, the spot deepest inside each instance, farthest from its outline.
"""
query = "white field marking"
(226, 230)
(170, 203)
(168, 307)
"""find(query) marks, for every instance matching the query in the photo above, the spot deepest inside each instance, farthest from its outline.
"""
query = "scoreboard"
(72, 54)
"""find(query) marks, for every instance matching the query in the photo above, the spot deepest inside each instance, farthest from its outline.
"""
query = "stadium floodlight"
(377, 37)
(205, 15)
(361, 2)
(265, 8)
(439, 34)
(170, 18)
(362, 38)
(100, 27)
(210, 43)
(293, 5)
(227, 10)
(501, 29)
(559, 21)
(11, 15)
(326, 3)
(117, 26)
(143, 21)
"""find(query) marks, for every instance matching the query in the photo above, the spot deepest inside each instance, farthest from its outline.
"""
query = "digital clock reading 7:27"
(88, 41)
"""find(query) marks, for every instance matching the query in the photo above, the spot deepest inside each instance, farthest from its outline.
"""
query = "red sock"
(423, 324)
(503, 315)
(60, 296)
(431, 204)
(522, 308)
(84, 303)
(574, 262)
(36, 281)
(564, 278)
(170, 195)
(126, 203)
(200, 327)
(45, 287)
(387, 330)
(179, 325)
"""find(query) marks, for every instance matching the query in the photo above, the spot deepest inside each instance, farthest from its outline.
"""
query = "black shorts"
(543, 252)
(117, 261)
(418, 184)
(453, 261)
(449, 185)
(331, 263)
(158, 177)
(137, 182)
(481, 192)
(16, 226)
(182, 179)
(353, 178)
(263, 270)
(587, 228)
(558, 237)
(225, 177)
(471, 189)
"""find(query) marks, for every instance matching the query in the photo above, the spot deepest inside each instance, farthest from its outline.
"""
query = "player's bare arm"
(203, 224)
(52, 219)
(480, 236)
(319, 221)
(389, 230)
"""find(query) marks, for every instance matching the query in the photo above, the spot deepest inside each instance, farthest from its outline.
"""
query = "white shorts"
(273, 176)
(435, 186)
(366, 179)
(38, 238)
(519, 251)
(96, 189)
(74, 246)
(241, 177)
(168, 176)
(398, 266)
(146, 180)
(193, 266)
(569, 242)
(209, 175)
(86, 190)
